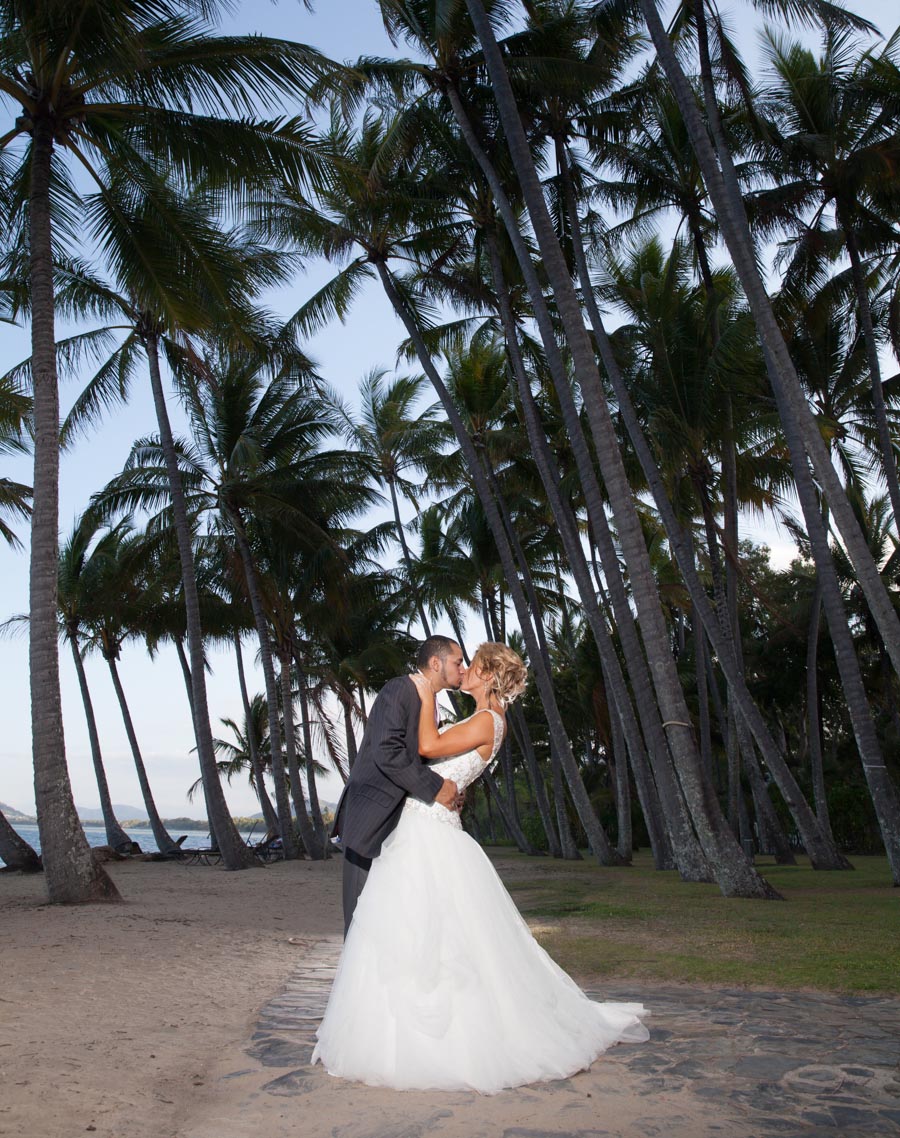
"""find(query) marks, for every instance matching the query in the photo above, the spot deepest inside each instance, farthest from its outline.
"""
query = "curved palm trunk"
(232, 847)
(115, 835)
(71, 873)
(160, 834)
(265, 803)
(597, 838)
(282, 804)
(15, 851)
(725, 194)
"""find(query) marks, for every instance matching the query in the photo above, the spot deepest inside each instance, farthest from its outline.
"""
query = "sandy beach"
(185, 1013)
(112, 1016)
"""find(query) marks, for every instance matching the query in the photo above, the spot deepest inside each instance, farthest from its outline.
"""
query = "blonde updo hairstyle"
(505, 673)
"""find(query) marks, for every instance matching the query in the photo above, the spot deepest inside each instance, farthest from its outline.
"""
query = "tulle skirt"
(442, 986)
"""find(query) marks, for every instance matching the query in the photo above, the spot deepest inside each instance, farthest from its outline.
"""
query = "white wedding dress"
(441, 984)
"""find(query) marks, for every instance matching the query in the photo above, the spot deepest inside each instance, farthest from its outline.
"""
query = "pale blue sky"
(343, 29)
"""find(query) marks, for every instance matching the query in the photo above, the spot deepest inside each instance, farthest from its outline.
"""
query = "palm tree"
(114, 88)
(731, 868)
(112, 613)
(83, 571)
(721, 179)
(396, 442)
(15, 851)
(831, 144)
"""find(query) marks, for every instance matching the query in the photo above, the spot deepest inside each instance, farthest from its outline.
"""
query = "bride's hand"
(423, 687)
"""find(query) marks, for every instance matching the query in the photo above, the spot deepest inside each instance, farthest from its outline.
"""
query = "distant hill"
(14, 815)
(95, 814)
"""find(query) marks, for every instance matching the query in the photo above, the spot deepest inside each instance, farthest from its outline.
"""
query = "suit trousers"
(356, 870)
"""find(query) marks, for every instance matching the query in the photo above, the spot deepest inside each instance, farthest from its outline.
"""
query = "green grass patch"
(833, 931)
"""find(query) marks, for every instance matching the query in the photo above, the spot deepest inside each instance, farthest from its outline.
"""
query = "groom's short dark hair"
(440, 646)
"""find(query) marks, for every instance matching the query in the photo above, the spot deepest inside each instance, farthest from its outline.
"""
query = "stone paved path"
(745, 1064)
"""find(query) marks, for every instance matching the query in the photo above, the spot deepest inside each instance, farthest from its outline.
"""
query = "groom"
(388, 766)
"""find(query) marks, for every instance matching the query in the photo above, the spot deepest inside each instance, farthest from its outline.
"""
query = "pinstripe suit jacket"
(387, 768)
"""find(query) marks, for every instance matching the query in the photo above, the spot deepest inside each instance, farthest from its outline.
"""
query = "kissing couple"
(441, 984)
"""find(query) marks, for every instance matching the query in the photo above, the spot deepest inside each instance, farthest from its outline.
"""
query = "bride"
(441, 984)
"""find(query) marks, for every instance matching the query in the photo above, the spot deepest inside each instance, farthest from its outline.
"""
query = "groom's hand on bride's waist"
(449, 796)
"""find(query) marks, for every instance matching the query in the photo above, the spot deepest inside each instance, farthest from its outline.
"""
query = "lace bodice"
(463, 769)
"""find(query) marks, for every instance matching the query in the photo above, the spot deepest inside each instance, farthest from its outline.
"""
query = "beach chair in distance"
(206, 855)
(268, 848)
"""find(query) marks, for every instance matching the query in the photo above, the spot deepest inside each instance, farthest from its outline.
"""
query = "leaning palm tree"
(15, 852)
(82, 565)
(112, 614)
(115, 88)
(733, 872)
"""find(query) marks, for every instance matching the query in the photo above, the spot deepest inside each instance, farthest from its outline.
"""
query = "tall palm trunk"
(72, 875)
(619, 766)
(115, 835)
(813, 714)
(268, 810)
(882, 790)
(346, 701)
(315, 809)
(308, 834)
(511, 823)
(519, 729)
(279, 777)
(724, 190)
(492, 628)
(679, 841)
(560, 805)
(885, 440)
(189, 690)
(820, 849)
(597, 837)
(160, 834)
(232, 847)
(734, 873)
(705, 726)
(15, 851)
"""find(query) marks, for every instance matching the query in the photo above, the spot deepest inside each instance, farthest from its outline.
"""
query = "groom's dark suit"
(387, 768)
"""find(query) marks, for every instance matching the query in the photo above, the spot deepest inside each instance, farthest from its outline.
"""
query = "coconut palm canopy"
(645, 295)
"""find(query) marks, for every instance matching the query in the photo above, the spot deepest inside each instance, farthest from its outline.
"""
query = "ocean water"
(96, 836)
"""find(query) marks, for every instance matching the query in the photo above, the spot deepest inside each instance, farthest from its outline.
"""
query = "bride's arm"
(466, 736)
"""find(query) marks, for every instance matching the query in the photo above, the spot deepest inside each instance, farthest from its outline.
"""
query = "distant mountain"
(14, 815)
(123, 813)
